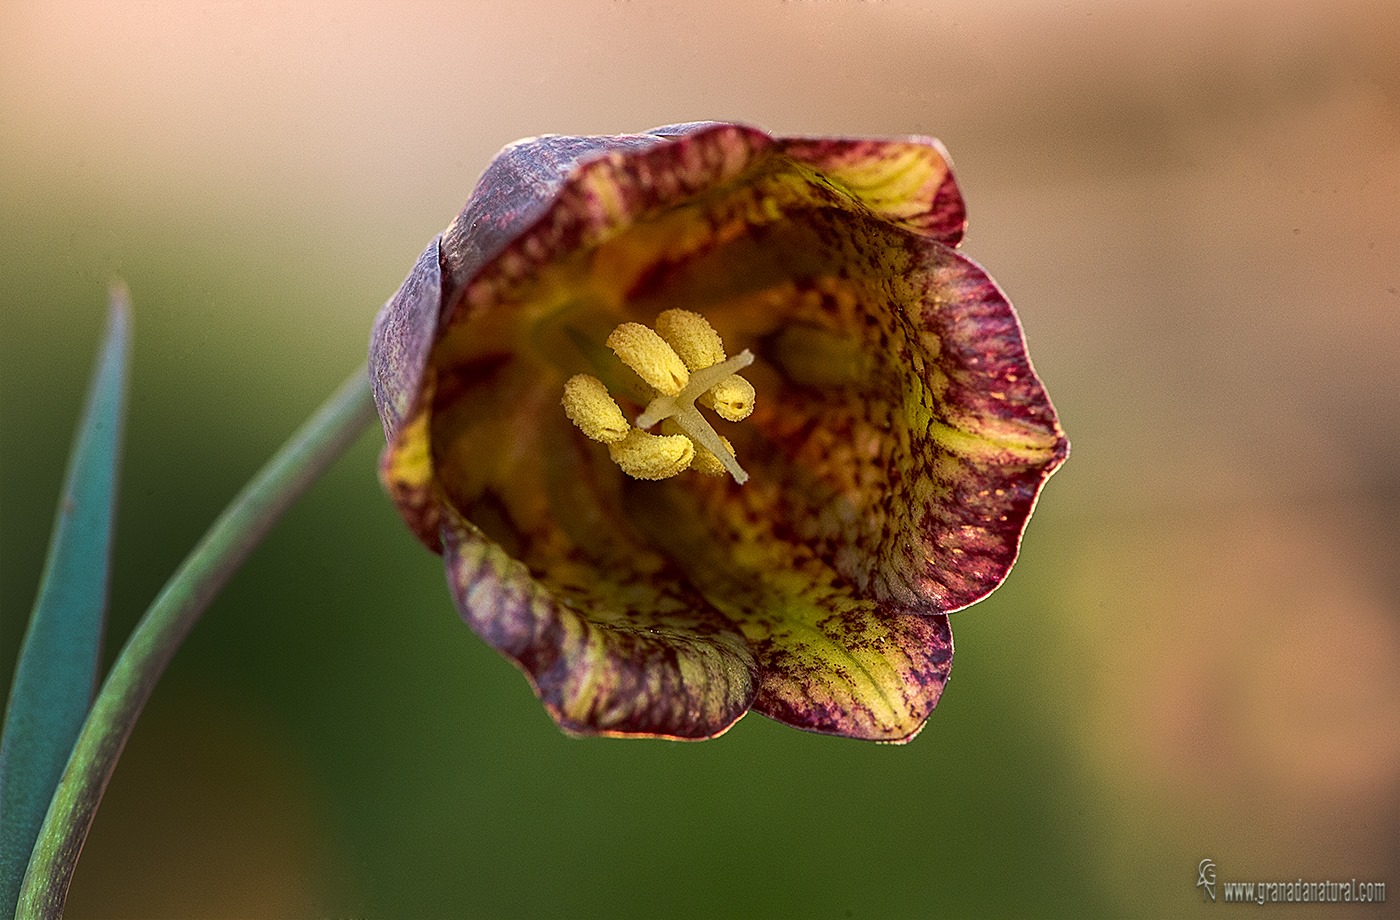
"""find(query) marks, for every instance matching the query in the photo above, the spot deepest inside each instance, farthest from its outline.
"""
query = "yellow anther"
(588, 405)
(707, 463)
(692, 336)
(700, 346)
(652, 456)
(648, 354)
(704, 462)
(732, 398)
(682, 364)
(681, 407)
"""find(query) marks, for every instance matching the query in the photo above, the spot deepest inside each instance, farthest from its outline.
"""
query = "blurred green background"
(1194, 208)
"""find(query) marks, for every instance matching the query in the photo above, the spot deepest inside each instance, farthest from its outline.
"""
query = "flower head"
(555, 382)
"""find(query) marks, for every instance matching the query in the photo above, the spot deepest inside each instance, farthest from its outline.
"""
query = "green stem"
(242, 526)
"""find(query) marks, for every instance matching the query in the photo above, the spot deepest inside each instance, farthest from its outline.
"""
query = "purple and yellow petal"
(908, 182)
(885, 493)
(828, 659)
(611, 637)
(402, 384)
(859, 672)
(407, 471)
(543, 565)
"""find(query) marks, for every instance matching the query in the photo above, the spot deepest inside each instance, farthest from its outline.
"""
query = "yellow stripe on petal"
(895, 180)
(409, 465)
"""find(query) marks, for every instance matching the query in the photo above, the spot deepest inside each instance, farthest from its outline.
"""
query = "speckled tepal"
(897, 446)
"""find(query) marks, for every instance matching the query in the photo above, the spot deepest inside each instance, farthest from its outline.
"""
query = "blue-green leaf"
(57, 669)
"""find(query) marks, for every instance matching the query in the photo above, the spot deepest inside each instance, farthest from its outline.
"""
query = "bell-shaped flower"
(703, 420)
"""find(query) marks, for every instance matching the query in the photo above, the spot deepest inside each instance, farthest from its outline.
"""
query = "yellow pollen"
(704, 462)
(652, 456)
(699, 345)
(683, 361)
(588, 405)
(732, 398)
(692, 336)
(648, 354)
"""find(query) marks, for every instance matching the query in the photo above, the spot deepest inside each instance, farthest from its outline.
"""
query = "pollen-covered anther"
(699, 346)
(588, 405)
(692, 337)
(732, 398)
(652, 456)
(682, 364)
(704, 462)
(647, 353)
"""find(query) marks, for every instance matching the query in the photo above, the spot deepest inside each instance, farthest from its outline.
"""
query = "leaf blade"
(56, 672)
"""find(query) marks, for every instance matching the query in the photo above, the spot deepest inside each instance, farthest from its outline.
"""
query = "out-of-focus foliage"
(56, 669)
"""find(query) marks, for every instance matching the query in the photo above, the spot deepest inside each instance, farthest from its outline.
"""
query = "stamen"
(704, 462)
(652, 456)
(700, 346)
(732, 398)
(692, 336)
(648, 354)
(588, 405)
(682, 363)
(667, 406)
(681, 407)
(698, 430)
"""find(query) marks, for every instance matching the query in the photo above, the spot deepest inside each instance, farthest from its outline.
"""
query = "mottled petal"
(898, 417)
(886, 493)
(991, 439)
(521, 187)
(402, 383)
(828, 660)
(404, 333)
(617, 647)
(907, 181)
(552, 199)
(858, 672)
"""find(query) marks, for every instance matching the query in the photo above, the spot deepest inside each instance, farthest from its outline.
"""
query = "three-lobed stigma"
(682, 360)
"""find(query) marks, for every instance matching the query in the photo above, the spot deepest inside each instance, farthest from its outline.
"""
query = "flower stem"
(241, 527)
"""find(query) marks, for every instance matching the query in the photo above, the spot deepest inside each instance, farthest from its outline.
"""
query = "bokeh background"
(1196, 208)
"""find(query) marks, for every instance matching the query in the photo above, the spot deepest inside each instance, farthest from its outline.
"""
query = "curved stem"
(241, 527)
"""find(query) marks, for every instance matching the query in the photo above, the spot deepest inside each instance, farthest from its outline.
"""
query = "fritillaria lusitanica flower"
(552, 381)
